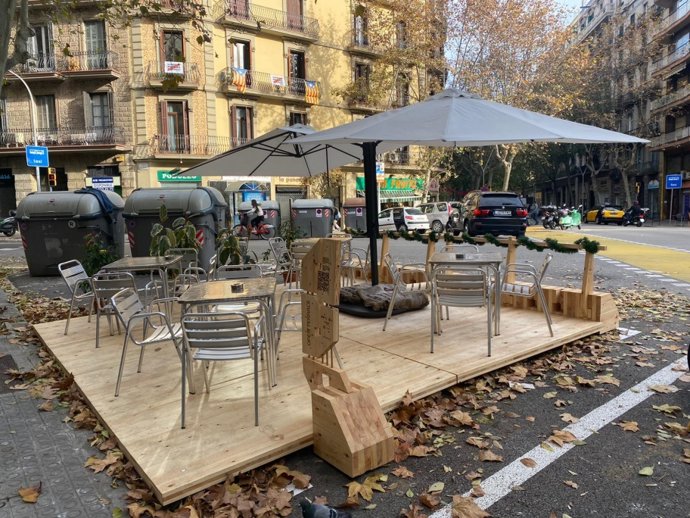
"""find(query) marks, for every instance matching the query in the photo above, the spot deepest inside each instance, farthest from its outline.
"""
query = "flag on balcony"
(239, 79)
(311, 91)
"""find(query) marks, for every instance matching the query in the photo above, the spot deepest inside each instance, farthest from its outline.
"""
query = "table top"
(214, 292)
(143, 263)
(471, 258)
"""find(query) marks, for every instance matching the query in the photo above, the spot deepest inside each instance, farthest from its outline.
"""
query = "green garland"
(588, 245)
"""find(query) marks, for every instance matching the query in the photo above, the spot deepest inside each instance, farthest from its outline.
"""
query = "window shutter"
(162, 50)
(233, 125)
(111, 108)
(250, 122)
(164, 118)
(88, 110)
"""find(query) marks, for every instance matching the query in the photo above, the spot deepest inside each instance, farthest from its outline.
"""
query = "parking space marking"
(515, 474)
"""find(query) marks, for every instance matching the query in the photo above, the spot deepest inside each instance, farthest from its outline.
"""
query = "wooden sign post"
(350, 430)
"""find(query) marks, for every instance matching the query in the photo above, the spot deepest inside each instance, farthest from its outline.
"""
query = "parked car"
(440, 214)
(403, 218)
(605, 214)
(498, 213)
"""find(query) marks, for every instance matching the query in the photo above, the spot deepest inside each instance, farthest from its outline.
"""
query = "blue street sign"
(37, 156)
(673, 181)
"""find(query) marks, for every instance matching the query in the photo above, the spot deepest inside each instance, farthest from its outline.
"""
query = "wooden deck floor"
(220, 437)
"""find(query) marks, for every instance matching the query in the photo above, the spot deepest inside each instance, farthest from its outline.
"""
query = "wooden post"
(430, 250)
(511, 257)
(385, 245)
(587, 282)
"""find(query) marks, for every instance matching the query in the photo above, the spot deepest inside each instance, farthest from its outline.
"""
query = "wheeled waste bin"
(203, 206)
(54, 226)
(271, 212)
(313, 218)
(355, 212)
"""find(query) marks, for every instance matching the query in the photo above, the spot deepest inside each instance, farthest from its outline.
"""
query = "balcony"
(78, 65)
(680, 96)
(66, 139)
(173, 75)
(360, 44)
(672, 62)
(673, 21)
(180, 147)
(267, 20)
(359, 99)
(593, 23)
(679, 136)
(242, 82)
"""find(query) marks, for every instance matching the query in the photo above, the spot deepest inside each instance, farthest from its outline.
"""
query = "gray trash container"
(204, 206)
(355, 212)
(271, 212)
(54, 226)
(313, 218)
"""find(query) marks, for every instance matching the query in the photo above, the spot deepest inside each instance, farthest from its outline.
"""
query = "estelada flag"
(311, 91)
(239, 79)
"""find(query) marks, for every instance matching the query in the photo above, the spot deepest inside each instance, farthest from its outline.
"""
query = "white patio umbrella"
(452, 118)
(270, 155)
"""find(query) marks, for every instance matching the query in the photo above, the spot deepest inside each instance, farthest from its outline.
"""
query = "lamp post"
(33, 124)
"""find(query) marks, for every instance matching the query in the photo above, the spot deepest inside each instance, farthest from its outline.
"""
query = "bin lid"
(195, 201)
(266, 204)
(321, 203)
(355, 202)
(64, 204)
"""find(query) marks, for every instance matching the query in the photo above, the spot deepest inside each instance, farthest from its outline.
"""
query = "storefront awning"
(386, 195)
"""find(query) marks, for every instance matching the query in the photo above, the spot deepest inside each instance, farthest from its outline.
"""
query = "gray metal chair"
(399, 285)
(238, 271)
(460, 248)
(132, 312)
(105, 285)
(209, 337)
(459, 287)
(190, 257)
(285, 263)
(79, 284)
(527, 283)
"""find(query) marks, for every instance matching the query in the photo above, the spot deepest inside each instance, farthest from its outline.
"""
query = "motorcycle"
(638, 220)
(570, 218)
(8, 226)
(550, 217)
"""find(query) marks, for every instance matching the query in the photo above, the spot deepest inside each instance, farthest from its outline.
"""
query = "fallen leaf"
(561, 437)
(664, 389)
(608, 379)
(530, 418)
(30, 494)
(477, 441)
(550, 395)
(629, 426)
(570, 483)
(489, 456)
(666, 408)
(436, 487)
(465, 507)
(47, 406)
(477, 491)
(409, 493)
(647, 471)
(530, 463)
(569, 418)
(463, 418)
(429, 501)
(402, 472)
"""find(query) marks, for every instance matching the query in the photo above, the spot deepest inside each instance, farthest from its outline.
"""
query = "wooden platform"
(220, 437)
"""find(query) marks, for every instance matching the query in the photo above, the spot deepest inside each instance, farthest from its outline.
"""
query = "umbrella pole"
(370, 198)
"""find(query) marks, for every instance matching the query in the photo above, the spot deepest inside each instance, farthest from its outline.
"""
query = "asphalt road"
(598, 477)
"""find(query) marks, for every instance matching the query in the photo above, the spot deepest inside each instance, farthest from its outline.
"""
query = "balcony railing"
(186, 75)
(671, 58)
(199, 145)
(269, 84)
(63, 136)
(267, 18)
(676, 15)
(360, 42)
(588, 27)
(88, 60)
(671, 98)
(673, 136)
(37, 63)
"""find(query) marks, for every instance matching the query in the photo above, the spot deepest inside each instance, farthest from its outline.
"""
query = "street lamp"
(33, 124)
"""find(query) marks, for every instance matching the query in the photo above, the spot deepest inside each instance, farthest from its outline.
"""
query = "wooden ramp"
(220, 437)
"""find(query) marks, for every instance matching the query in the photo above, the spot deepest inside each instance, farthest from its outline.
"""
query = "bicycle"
(263, 231)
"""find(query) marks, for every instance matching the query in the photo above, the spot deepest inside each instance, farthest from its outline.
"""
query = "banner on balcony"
(311, 91)
(174, 67)
(278, 82)
(239, 79)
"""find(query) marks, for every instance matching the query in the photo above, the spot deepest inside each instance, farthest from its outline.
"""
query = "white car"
(403, 218)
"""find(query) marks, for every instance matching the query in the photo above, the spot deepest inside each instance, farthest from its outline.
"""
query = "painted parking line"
(516, 473)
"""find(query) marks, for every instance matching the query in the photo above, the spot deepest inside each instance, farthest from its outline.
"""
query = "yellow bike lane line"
(657, 259)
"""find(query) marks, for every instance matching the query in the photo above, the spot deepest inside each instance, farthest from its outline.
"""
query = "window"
(174, 126)
(172, 45)
(296, 65)
(401, 35)
(295, 11)
(242, 125)
(402, 91)
(361, 36)
(241, 54)
(96, 46)
(45, 107)
(40, 47)
(3, 115)
(362, 72)
(298, 118)
(238, 8)
(101, 110)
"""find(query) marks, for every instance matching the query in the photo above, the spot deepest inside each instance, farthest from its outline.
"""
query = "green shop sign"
(166, 177)
(398, 184)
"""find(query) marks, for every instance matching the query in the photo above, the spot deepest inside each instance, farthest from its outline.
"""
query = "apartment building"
(78, 76)
(672, 107)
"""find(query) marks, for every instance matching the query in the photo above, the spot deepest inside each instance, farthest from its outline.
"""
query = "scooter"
(638, 220)
(571, 218)
(8, 226)
(550, 217)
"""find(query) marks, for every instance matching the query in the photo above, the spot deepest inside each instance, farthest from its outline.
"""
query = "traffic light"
(52, 176)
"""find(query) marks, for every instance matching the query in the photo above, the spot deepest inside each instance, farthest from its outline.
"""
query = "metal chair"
(132, 312)
(79, 284)
(190, 257)
(399, 285)
(238, 271)
(285, 263)
(528, 283)
(228, 336)
(459, 287)
(460, 248)
(105, 285)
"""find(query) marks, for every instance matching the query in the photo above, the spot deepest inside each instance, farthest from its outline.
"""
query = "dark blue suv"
(497, 213)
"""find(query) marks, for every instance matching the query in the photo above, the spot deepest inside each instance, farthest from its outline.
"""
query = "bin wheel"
(9, 233)
(239, 230)
(267, 232)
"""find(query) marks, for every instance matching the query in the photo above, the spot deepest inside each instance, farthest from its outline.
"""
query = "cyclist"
(256, 215)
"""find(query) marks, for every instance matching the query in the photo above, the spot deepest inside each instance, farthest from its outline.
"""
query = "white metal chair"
(285, 262)
(222, 337)
(399, 285)
(459, 287)
(79, 284)
(527, 283)
(132, 312)
(238, 271)
(105, 285)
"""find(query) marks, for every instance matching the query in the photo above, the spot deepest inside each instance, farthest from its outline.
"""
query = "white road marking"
(681, 285)
(653, 275)
(515, 474)
(624, 333)
(667, 280)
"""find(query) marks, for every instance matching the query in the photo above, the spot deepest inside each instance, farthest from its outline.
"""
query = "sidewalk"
(37, 447)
